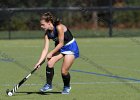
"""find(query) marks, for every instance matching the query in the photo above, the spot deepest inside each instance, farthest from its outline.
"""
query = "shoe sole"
(46, 90)
(66, 93)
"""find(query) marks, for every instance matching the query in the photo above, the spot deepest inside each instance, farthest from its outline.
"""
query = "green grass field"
(108, 69)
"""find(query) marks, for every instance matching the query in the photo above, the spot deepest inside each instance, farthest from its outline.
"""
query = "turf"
(108, 69)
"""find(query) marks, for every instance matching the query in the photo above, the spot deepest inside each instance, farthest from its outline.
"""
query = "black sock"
(66, 80)
(49, 75)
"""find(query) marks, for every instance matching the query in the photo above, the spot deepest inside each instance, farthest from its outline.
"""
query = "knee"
(64, 71)
(50, 64)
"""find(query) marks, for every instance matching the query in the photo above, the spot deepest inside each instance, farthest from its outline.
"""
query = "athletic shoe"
(46, 87)
(66, 90)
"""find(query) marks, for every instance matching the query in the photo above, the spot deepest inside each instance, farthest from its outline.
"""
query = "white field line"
(23, 46)
(74, 83)
(24, 57)
(122, 67)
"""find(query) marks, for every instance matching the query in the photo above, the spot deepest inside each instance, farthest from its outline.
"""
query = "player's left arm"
(60, 39)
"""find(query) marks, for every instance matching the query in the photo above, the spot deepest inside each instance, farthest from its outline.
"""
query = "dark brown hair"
(49, 17)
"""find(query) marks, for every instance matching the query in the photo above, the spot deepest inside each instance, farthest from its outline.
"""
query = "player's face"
(46, 25)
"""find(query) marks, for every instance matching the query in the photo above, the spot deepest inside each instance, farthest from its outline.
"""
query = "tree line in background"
(30, 20)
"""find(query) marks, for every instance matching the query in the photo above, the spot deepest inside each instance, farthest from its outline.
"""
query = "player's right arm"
(44, 52)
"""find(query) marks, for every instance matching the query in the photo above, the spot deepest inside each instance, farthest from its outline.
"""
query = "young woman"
(65, 47)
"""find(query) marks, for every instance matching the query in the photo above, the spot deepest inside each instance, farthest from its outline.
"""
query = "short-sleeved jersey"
(54, 36)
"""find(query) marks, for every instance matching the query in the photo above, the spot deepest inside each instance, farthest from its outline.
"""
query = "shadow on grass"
(40, 93)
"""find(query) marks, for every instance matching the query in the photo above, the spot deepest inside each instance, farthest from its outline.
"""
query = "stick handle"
(24, 79)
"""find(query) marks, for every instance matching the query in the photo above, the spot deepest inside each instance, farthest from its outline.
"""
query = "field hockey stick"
(10, 93)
